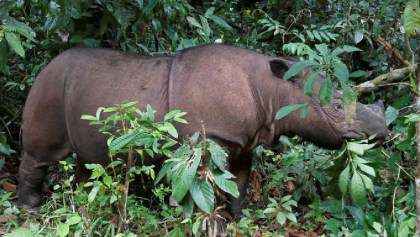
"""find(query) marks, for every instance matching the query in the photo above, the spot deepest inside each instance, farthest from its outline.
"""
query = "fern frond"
(412, 17)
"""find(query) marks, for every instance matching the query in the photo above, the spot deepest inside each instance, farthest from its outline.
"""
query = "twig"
(389, 47)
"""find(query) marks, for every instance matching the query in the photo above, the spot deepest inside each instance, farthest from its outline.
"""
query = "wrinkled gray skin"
(233, 92)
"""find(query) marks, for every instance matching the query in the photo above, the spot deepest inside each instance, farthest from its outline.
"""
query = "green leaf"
(217, 155)
(73, 220)
(412, 118)
(194, 22)
(88, 117)
(107, 180)
(291, 217)
(149, 6)
(390, 115)
(357, 188)
(286, 110)
(304, 111)
(359, 148)
(309, 84)
(20, 28)
(221, 180)
(368, 183)
(63, 229)
(297, 67)
(92, 193)
(20, 232)
(340, 71)
(203, 195)
(411, 17)
(344, 179)
(322, 49)
(14, 43)
(366, 168)
(220, 21)
(171, 129)
(358, 73)
(181, 184)
(281, 218)
(326, 91)
(123, 141)
(350, 49)
(358, 36)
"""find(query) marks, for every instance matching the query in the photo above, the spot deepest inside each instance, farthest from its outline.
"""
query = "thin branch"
(385, 79)
(389, 47)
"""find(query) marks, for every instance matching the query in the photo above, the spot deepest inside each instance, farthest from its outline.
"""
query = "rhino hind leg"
(32, 172)
(31, 178)
(241, 168)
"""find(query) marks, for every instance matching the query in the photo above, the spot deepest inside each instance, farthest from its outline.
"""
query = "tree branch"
(385, 80)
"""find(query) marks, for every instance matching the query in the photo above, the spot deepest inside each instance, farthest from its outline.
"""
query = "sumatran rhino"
(233, 92)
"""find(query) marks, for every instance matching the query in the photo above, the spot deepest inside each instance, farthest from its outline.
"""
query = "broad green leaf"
(357, 188)
(322, 49)
(390, 115)
(188, 206)
(309, 84)
(367, 169)
(291, 217)
(14, 43)
(174, 114)
(171, 130)
(63, 229)
(340, 71)
(359, 148)
(217, 155)
(326, 91)
(286, 110)
(149, 6)
(92, 193)
(281, 218)
(203, 195)
(122, 141)
(20, 232)
(297, 67)
(21, 29)
(304, 111)
(182, 183)
(344, 179)
(107, 180)
(411, 17)
(412, 118)
(337, 51)
(222, 181)
(358, 36)
(194, 22)
(358, 73)
(220, 21)
(350, 49)
(73, 220)
(367, 181)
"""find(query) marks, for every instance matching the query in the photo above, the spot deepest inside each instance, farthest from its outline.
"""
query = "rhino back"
(101, 78)
(212, 84)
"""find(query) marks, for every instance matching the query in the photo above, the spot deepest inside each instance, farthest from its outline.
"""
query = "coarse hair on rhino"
(234, 92)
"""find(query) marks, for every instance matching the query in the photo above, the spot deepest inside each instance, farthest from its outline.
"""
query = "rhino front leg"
(241, 168)
(31, 178)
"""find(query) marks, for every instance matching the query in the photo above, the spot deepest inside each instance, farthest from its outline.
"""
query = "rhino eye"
(337, 106)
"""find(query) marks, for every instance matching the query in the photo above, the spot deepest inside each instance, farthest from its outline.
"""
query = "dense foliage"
(356, 191)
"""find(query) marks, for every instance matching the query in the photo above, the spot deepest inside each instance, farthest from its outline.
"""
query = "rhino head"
(327, 126)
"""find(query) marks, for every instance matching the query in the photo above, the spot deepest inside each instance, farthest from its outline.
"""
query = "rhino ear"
(279, 67)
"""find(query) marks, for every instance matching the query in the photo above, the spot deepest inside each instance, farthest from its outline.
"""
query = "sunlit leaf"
(297, 67)
(286, 110)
